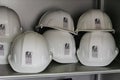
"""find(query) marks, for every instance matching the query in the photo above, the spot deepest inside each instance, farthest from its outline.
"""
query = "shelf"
(88, 30)
(56, 69)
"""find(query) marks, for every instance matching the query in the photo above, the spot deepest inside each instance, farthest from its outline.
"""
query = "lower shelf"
(56, 69)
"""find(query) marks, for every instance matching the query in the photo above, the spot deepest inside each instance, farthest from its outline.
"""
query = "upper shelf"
(56, 69)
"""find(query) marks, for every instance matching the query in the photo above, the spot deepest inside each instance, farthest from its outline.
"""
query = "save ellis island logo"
(1, 50)
(2, 29)
(94, 51)
(28, 57)
(67, 48)
(97, 23)
(65, 23)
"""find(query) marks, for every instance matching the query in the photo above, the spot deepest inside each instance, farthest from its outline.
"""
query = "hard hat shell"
(4, 50)
(97, 49)
(94, 19)
(61, 45)
(58, 19)
(9, 23)
(29, 53)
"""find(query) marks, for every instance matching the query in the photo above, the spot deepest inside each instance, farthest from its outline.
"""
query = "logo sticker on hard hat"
(94, 51)
(1, 50)
(65, 22)
(28, 57)
(97, 23)
(67, 48)
(2, 29)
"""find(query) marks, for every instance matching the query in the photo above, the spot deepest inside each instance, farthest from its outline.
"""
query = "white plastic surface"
(94, 19)
(29, 53)
(4, 50)
(10, 25)
(62, 45)
(97, 49)
(58, 19)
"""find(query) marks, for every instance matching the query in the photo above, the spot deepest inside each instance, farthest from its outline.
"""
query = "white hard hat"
(9, 23)
(94, 20)
(61, 45)
(4, 50)
(59, 19)
(29, 53)
(97, 49)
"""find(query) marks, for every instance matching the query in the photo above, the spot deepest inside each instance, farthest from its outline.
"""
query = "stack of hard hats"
(9, 28)
(97, 47)
(31, 52)
(61, 43)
